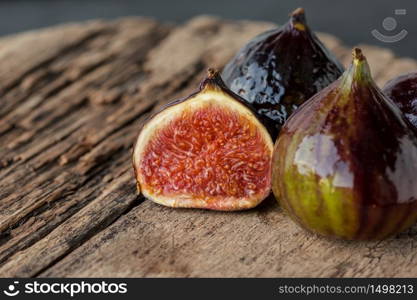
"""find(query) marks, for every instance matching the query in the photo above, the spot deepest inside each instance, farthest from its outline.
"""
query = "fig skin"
(345, 163)
(280, 69)
(403, 91)
(214, 95)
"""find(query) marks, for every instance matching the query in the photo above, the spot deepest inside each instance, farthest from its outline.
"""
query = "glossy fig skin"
(403, 91)
(280, 69)
(345, 163)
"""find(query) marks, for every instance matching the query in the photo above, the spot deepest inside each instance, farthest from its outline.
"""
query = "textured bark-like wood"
(73, 99)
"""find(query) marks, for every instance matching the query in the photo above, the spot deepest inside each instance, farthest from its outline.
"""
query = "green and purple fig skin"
(403, 91)
(345, 162)
(280, 69)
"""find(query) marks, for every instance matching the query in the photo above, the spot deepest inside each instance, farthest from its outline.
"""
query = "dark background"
(352, 21)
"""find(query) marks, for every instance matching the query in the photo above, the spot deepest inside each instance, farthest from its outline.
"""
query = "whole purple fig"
(280, 69)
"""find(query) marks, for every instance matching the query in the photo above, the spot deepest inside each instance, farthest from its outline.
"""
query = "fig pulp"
(345, 163)
(403, 91)
(208, 150)
(280, 69)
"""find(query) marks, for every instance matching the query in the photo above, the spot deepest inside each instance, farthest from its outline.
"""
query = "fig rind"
(215, 101)
(344, 164)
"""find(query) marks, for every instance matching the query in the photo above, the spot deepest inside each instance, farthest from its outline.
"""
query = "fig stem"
(357, 54)
(212, 80)
(298, 11)
(211, 73)
(298, 19)
(361, 71)
(358, 71)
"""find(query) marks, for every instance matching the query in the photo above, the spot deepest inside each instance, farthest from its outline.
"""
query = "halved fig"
(208, 151)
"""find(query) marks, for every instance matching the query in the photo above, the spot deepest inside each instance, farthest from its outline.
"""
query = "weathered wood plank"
(159, 241)
(68, 205)
(37, 192)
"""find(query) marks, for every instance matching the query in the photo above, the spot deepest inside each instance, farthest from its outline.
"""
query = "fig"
(208, 150)
(345, 163)
(280, 69)
(403, 91)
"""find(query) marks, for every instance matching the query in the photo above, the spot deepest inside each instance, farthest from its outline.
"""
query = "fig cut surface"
(207, 151)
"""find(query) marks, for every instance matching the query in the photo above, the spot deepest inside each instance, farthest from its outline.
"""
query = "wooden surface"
(72, 100)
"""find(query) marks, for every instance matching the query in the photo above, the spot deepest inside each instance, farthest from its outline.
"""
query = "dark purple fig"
(208, 150)
(403, 91)
(345, 162)
(280, 69)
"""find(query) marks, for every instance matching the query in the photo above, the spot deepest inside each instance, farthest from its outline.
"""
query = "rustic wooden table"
(72, 100)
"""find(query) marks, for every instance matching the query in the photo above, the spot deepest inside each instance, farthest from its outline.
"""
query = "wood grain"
(73, 99)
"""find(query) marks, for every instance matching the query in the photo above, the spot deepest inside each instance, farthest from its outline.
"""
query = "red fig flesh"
(206, 151)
